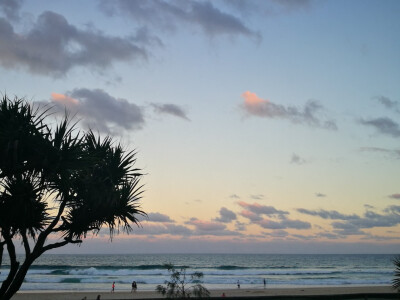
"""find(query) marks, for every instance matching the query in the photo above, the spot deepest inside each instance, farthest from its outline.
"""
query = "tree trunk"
(7, 282)
(18, 278)
(17, 273)
(14, 265)
(1, 254)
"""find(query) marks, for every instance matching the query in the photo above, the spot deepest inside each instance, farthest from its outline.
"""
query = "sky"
(262, 126)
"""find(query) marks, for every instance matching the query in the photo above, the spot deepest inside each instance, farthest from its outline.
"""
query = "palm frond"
(22, 205)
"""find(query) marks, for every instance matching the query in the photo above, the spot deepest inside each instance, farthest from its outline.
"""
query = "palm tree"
(92, 181)
(396, 280)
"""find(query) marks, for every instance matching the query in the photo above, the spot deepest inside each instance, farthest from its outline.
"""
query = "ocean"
(221, 271)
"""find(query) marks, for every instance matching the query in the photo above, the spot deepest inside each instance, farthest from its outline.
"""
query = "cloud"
(144, 37)
(53, 46)
(226, 215)
(304, 237)
(100, 110)
(370, 237)
(251, 216)
(158, 217)
(388, 103)
(391, 153)
(371, 220)
(10, 8)
(395, 209)
(239, 226)
(215, 22)
(320, 195)
(297, 160)
(210, 228)
(268, 8)
(257, 197)
(383, 125)
(284, 224)
(170, 109)
(262, 209)
(162, 229)
(293, 4)
(159, 227)
(234, 196)
(325, 214)
(395, 196)
(205, 225)
(277, 233)
(328, 235)
(169, 16)
(349, 231)
(255, 106)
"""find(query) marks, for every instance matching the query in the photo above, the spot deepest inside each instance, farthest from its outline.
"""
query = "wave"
(157, 267)
(138, 267)
(230, 268)
(227, 281)
(218, 271)
(71, 280)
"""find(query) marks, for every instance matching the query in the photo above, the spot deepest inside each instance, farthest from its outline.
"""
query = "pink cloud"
(250, 215)
(395, 196)
(100, 110)
(64, 100)
(254, 105)
(252, 99)
(263, 108)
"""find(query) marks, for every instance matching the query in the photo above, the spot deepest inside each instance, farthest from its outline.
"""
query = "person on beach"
(113, 287)
(98, 297)
(134, 286)
(265, 283)
(238, 284)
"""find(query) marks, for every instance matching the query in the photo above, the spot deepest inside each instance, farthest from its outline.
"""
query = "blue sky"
(263, 126)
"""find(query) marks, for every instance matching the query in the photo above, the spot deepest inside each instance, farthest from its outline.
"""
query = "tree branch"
(60, 244)
(57, 218)
(26, 244)
(44, 234)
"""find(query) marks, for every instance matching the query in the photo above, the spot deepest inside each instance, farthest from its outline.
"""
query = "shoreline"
(268, 292)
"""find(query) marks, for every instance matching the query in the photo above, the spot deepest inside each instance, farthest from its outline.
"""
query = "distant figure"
(134, 286)
(238, 284)
(223, 295)
(84, 298)
(113, 287)
(265, 283)
(98, 297)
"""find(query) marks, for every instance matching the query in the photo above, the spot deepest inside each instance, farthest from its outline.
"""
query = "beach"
(268, 292)
(77, 276)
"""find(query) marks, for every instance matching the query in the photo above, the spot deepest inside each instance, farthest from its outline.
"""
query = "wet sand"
(64, 295)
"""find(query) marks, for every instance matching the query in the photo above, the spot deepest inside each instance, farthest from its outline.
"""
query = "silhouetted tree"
(91, 181)
(396, 280)
(183, 285)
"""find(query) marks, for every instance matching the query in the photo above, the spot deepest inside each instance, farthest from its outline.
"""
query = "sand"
(63, 295)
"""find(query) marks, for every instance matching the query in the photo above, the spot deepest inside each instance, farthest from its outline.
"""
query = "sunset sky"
(262, 126)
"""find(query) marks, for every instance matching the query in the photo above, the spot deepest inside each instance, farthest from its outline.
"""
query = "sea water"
(221, 271)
